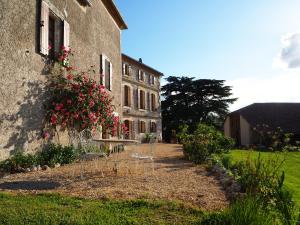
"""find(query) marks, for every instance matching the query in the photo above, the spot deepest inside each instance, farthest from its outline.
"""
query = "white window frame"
(103, 71)
(46, 8)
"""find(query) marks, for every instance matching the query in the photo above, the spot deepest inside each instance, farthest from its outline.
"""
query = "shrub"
(18, 162)
(56, 153)
(204, 142)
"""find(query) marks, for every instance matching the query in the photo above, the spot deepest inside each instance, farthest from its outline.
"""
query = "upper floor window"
(153, 102)
(151, 79)
(142, 127)
(127, 96)
(54, 31)
(141, 75)
(106, 72)
(142, 99)
(85, 2)
(126, 69)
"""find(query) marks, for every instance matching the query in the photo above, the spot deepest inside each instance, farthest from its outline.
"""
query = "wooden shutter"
(139, 126)
(102, 72)
(129, 97)
(44, 29)
(138, 98)
(110, 76)
(66, 35)
(148, 101)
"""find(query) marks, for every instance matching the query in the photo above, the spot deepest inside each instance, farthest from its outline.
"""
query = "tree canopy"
(190, 101)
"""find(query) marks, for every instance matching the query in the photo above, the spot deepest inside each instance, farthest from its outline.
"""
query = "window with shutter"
(153, 102)
(106, 72)
(44, 28)
(142, 99)
(54, 31)
(127, 96)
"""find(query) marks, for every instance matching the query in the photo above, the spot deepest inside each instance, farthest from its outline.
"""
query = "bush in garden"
(50, 155)
(204, 142)
(55, 153)
(273, 139)
(18, 162)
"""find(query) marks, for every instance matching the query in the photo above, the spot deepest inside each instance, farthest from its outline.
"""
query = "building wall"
(23, 72)
(227, 127)
(245, 132)
(135, 114)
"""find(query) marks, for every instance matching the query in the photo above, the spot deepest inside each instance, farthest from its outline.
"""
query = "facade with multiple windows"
(34, 31)
(141, 99)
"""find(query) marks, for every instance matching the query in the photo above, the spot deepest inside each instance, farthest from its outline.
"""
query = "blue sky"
(253, 45)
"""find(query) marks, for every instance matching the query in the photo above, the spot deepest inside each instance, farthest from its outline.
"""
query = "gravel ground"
(173, 178)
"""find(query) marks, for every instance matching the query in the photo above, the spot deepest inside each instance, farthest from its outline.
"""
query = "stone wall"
(23, 72)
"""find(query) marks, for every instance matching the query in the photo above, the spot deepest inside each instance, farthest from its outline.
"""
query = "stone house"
(141, 99)
(91, 27)
(240, 124)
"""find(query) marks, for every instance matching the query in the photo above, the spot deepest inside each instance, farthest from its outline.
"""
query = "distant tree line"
(190, 101)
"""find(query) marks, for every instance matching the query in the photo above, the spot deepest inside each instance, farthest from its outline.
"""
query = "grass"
(56, 209)
(291, 167)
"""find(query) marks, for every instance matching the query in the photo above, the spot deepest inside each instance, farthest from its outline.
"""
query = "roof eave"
(142, 64)
(115, 13)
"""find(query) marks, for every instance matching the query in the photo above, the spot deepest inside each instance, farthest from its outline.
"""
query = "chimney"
(140, 60)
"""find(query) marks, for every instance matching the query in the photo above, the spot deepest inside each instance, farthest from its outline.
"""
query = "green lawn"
(55, 209)
(291, 167)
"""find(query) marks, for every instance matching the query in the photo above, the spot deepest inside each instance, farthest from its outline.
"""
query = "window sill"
(142, 110)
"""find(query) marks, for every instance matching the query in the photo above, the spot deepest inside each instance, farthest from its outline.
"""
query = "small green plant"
(247, 211)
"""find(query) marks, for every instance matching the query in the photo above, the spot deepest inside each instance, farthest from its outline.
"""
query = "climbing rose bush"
(79, 102)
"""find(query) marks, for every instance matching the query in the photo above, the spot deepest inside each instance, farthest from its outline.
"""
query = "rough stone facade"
(133, 112)
(93, 31)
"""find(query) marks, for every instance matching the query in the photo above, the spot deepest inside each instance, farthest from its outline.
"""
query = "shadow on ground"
(29, 185)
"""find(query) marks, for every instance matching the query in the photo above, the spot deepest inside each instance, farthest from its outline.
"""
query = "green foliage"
(204, 142)
(18, 162)
(52, 209)
(264, 178)
(189, 101)
(273, 139)
(246, 211)
(56, 153)
(50, 155)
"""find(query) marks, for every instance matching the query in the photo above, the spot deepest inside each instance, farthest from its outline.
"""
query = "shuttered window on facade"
(54, 31)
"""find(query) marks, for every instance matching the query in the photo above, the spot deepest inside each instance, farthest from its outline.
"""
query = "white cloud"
(289, 56)
(282, 88)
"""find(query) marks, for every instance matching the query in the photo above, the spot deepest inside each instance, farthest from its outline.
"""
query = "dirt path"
(173, 179)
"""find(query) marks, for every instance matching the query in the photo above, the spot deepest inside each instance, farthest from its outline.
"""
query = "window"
(127, 96)
(141, 75)
(54, 31)
(151, 79)
(126, 69)
(153, 102)
(106, 72)
(85, 2)
(153, 127)
(142, 127)
(142, 99)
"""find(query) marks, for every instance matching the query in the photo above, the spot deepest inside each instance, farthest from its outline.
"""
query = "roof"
(132, 60)
(114, 12)
(283, 115)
